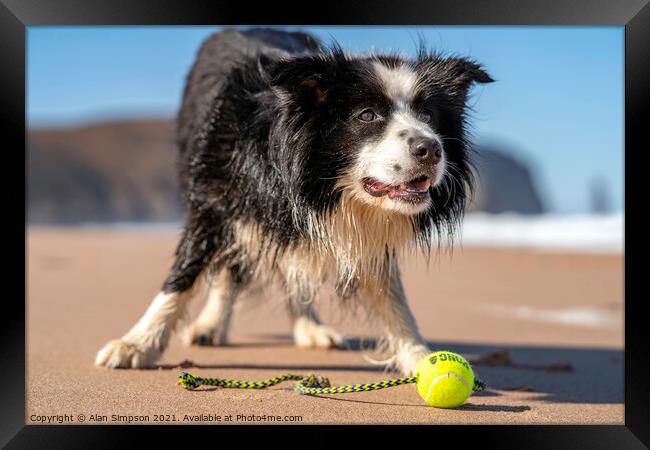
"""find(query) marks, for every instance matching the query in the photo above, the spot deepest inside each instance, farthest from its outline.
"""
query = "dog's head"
(384, 130)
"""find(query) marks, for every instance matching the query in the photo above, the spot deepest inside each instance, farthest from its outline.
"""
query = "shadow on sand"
(552, 374)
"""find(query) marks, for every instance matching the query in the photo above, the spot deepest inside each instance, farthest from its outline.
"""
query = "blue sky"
(557, 103)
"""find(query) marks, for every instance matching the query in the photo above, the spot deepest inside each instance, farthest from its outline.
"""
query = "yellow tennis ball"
(444, 379)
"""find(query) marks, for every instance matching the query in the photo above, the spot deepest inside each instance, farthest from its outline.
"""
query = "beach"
(544, 330)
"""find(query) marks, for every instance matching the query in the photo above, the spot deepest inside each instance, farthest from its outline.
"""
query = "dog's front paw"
(200, 334)
(309, 334)
(122, 354)
(408, 356)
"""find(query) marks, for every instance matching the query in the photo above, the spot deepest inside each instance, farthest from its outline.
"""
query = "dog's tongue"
(421, 185)
(378, 189)
(410, 188)
(378, 186)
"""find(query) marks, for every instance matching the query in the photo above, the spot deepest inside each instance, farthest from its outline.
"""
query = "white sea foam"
(588, 233)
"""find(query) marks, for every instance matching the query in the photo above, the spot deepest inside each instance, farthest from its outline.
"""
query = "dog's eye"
(367, 115)
(425, 116)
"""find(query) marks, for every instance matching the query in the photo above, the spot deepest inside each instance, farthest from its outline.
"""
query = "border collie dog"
(303, 165)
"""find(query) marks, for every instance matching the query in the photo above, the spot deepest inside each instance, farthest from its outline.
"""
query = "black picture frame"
(16, 15)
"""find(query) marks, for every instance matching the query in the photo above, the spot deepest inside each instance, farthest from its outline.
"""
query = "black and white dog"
(302, 165)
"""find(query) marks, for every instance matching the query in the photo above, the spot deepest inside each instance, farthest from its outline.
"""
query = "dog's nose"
(425, 149)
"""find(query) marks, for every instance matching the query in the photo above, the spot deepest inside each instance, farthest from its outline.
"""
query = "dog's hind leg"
(143, 344)
(212, 324)
(308, 332)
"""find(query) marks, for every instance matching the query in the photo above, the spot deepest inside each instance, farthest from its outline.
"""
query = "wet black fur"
(263, 138)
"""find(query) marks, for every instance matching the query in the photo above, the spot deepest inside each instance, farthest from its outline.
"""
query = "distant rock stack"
(504, 184)
(599, 196)
(109, 172)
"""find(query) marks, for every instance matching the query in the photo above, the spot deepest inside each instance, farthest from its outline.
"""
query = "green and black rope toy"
(443, 379)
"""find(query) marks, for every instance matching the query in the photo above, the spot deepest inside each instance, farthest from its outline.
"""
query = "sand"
(555, 321)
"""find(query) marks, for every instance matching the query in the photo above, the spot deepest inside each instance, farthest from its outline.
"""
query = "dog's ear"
(304, 79)
(456, 75)
(466, 71)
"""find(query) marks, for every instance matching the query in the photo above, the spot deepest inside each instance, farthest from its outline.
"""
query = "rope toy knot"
(479, 385)
(314, 381)
(188, 381)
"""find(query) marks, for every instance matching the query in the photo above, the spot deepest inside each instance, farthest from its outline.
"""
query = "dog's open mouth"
(414, 191)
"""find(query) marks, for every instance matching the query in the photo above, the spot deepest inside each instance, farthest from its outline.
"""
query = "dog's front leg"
(402, 337)
(143, 344)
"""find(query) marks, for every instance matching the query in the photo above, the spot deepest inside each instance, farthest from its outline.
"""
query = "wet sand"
(544, 330)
